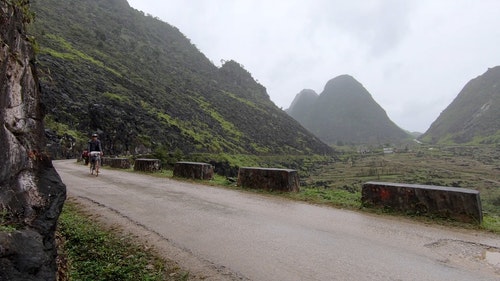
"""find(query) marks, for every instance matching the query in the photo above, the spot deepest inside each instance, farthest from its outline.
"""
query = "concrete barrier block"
(194, 170)
(461, 204)
(147, 165)
(121, 163)
(269, 179)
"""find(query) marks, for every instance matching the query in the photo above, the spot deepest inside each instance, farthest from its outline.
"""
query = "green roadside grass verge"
(491, 223)
(95, 252)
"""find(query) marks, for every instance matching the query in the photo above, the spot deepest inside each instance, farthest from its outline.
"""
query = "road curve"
(266, 238)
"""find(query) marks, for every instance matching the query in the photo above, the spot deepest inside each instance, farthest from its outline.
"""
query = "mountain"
(301, 106)
(345, 113)
(142, 85)
(474, 114)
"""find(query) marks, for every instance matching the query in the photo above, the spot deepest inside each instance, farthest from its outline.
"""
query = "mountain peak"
(345, 85)
(345, 112)
(306, 96)
(344, 78)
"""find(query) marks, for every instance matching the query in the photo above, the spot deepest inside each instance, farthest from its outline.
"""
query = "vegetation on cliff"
(143, 86)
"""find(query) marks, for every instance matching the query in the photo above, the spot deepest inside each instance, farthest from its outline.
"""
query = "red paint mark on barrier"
(384, 194)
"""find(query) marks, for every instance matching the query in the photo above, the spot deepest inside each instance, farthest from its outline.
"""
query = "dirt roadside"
(175, 256)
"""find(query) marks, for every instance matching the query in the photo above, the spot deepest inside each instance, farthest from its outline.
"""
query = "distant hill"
(473, 116)
(142, 85)
(345, 113)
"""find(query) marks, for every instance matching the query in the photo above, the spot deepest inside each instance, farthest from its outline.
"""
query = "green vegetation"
(23, 6)
(96, 253)
(334, 197)
(493, 139)
(5, 226)
(50, 123)
(70, 53)
(229, 127)
(116, 97)
(491, 223)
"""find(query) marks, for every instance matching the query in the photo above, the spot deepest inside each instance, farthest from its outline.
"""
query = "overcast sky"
(413, 56)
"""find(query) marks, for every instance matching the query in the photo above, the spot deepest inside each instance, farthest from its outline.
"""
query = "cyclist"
(95, 152)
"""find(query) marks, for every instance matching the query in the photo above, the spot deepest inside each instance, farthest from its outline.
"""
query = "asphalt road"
(259, 237)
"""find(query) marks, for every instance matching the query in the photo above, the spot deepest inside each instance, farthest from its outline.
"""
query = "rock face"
(31, 192)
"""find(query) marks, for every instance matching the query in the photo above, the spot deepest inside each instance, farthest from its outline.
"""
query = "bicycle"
(95, 161)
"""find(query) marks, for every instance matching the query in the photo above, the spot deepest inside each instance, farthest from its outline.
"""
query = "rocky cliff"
(31, 192)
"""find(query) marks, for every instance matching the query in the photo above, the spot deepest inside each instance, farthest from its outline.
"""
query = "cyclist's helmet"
(94, 135)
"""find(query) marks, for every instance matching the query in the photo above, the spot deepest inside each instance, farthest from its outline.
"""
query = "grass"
(117, 97)
(71, 53)
(333, 197)
(55, 126)
(97, 253)
(491, 223)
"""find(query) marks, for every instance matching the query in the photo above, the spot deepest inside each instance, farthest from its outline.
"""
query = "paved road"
(265, 238)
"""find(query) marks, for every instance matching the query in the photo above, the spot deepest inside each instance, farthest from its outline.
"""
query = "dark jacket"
(95, 145)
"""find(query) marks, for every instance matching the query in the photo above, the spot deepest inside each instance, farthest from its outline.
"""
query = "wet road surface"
(266, 238)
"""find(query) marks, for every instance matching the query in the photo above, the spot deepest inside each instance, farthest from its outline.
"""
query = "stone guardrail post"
(269, 179)
(461, 204)
(194, 170)
(121, 163)
(147, 165)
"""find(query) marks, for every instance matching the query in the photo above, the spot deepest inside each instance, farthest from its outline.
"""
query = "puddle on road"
(492, 258)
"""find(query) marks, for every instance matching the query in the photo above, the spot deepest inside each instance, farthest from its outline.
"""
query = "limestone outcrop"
(31, 192)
